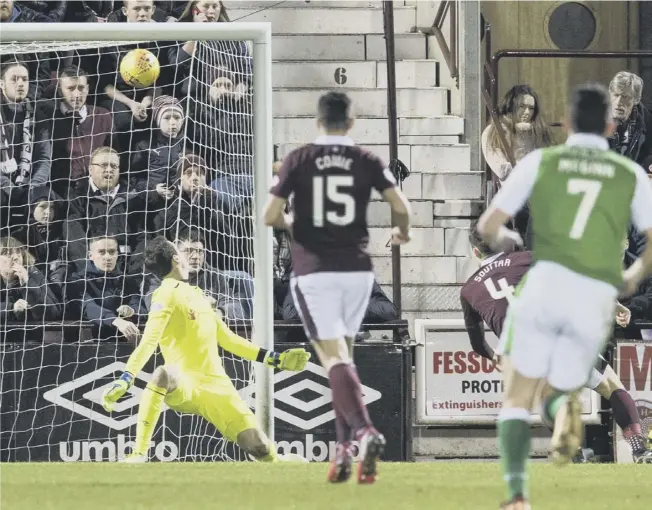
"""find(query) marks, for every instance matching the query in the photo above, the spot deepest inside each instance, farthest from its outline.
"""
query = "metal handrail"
(392, 118)
(515, 53)
(449, 52)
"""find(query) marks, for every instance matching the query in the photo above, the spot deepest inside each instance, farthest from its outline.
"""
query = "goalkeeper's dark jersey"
(486, 295)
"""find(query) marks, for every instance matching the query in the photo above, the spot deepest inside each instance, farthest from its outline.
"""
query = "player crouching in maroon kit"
(330, 181)
(485, 298)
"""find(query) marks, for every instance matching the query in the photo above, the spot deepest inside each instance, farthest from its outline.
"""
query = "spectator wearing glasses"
(103, 294)
(102, 205)
(24, 293)
(230, 291)
(79, 129)
(25, 146)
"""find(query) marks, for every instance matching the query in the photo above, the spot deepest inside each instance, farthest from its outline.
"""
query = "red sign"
(635, 367)
(460, 362)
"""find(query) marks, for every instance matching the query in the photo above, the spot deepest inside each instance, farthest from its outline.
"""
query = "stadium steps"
(320, 46)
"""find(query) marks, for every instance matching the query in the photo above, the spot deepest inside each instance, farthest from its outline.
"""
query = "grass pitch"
(248, 486)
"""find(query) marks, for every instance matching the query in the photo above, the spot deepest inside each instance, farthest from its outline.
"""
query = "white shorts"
(597, 373)
(332, 305)
(558, 324)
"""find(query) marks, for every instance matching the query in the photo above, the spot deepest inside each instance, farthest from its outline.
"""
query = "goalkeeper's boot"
(135, 458)
(516, 503)
(372, 446)
(341, 468)
(569, 431)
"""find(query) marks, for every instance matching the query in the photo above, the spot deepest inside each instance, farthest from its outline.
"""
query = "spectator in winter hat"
(152, 160)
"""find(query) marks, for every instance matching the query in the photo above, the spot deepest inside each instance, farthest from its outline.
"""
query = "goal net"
(92, 170)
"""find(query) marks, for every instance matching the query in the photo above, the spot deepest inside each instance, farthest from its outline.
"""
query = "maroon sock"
(342, 429)
(347, 396)
(625, 413)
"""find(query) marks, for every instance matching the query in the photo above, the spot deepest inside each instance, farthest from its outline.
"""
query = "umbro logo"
(303, 399)
(83, 396)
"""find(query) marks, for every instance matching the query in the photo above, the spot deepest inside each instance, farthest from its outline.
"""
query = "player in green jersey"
(582, 198)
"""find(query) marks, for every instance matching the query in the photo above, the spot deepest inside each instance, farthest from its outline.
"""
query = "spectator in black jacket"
(38, 64)
(24, 292)
(78, 129)
(232, 55)
(152, 160)
(128, 104)
(194, 208)
(25, 147)
(633, 136)
(103, 206)
(230, 291)
(55, 10)
(43, 237)
(138, 11)
(103, 294)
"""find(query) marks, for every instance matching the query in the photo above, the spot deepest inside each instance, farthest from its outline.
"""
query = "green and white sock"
(514, 444)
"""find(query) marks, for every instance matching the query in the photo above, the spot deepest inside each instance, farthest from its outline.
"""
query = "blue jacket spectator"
(105, 296)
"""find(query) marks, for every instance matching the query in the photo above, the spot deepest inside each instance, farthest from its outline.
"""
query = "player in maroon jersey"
(485, 298)
(330, 182)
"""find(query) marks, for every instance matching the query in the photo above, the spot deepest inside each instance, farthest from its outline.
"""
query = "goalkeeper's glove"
(117, 390)
(293, 360)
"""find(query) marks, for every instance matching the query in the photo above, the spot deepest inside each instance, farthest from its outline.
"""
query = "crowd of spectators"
(525, 129)
(91, 169)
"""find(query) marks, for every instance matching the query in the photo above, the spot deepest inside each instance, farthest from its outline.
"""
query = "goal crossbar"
(260, 34)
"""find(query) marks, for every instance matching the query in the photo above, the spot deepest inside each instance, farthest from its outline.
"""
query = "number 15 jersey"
(330, 181)
(582, 197)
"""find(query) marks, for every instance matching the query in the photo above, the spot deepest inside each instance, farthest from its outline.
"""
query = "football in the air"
(139, 68)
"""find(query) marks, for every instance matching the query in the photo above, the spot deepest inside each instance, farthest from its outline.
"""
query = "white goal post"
(260, 35)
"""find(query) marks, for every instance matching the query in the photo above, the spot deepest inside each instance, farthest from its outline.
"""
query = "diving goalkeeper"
(192, 380)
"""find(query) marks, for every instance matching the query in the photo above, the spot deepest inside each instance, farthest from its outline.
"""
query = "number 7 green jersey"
(582, 197)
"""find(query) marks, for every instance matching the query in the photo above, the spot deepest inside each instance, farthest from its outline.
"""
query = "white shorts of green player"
(558, 326)
(555, 331)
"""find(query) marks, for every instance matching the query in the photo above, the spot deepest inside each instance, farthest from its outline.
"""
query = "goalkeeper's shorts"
(216, 400)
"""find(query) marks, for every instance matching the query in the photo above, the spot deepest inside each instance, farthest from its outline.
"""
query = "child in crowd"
(152, 160)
